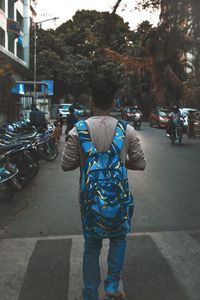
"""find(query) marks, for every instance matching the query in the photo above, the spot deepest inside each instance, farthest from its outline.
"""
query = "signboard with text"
(18, 89)
(50, 87)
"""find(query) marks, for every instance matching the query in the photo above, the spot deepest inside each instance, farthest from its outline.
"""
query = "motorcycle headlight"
(137, 115)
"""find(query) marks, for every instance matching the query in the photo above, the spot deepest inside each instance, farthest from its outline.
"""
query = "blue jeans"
(91, 269)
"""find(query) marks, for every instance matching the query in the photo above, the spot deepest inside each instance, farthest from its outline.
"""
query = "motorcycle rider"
(137, 117)
(37, 117)
(175, 119)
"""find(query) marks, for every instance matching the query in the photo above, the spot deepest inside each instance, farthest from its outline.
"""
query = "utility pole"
(35, 55)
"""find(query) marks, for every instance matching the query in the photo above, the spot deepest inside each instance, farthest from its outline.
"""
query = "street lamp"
(35, 55)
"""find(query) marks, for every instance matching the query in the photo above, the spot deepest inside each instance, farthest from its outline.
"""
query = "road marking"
(179, 248)
(14, 258)
(183, 255)
(75, 275)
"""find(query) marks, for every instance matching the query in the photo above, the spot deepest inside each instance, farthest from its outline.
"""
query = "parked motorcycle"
(19, 165)
(7, 174)
(43, 138)
(25, 158)
(46, 144)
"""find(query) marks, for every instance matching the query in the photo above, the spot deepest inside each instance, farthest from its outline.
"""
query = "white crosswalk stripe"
(14, 258)
(75, 278)
(183, 255)
(179, 248)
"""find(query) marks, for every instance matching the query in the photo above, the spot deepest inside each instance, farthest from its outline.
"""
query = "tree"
(74, 52)
(180, 27)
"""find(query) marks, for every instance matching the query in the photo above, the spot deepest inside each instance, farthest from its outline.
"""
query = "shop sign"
(18, 89)
(50, 87)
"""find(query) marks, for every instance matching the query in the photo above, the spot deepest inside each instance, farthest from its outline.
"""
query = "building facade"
(15, 21)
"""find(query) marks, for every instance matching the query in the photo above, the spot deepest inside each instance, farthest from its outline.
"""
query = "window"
(11, 10)
(20, 20)
(11, 40)
(2, 5)
(20, 51)
(2, 37)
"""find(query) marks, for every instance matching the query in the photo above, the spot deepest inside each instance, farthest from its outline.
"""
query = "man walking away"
(104, 148)
(71, 120)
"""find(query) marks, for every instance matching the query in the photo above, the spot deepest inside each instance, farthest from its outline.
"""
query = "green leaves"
(75, 50)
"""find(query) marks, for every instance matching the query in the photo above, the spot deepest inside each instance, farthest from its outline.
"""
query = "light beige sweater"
(102, 129)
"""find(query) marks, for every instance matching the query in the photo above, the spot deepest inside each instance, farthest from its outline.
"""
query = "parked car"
(159, 117)
(197, 123)
(63, 109)
(184, 112)
(81, 109)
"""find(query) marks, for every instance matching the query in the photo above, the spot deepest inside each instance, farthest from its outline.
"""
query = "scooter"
(176, 134)
(137, 120)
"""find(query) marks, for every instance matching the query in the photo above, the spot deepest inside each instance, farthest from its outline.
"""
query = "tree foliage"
(75, 52)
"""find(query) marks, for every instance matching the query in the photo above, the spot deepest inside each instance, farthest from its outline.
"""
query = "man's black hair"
(103, 90)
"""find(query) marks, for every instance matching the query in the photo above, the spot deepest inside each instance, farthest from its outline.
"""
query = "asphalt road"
(41, 230)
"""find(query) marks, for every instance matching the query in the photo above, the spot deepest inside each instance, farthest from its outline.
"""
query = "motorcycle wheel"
(179, 140)
(6, 192)
(50, 151)
(34, 168)
(138, 124)
(25, 176)
(172, 138)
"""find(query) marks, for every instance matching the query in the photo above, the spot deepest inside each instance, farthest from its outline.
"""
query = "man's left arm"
(136, 158)
(70, 156)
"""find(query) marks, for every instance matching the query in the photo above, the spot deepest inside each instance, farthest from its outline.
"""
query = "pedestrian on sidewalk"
(71, 120)
(104, 148)
(37, 117)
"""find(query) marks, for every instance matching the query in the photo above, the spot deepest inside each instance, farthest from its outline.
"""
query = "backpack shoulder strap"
(119, 137)
(85, 139)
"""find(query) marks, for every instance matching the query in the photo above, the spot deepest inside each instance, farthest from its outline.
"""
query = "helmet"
(10, 128)
(71, 109)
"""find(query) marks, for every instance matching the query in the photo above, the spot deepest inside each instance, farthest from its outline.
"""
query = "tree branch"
(116, 6)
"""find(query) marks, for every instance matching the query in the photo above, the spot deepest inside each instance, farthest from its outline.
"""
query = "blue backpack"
(105, 201)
